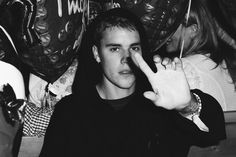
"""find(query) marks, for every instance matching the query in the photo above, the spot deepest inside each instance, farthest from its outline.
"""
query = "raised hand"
(169, 84)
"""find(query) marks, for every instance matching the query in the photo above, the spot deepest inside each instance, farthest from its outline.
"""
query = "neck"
(113, 92)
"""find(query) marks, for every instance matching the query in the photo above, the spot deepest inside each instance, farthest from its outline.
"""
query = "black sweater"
(84, 125)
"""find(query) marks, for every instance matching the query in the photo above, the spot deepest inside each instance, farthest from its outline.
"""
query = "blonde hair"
(206, 38)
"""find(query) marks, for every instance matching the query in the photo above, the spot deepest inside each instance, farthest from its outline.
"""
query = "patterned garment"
(36, 120)
(43, 98)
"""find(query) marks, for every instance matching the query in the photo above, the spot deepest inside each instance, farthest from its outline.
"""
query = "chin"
(170, 49)
(127, 84)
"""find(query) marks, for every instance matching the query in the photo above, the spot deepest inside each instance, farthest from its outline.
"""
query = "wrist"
(194, 108)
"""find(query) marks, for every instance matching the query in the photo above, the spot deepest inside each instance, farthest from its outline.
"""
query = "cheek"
(110, 64)
(110, 60)
(110, 71)
(187, 42)
(177, 35)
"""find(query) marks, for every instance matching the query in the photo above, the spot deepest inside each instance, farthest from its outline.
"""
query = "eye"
(136, 48)
(114, 49)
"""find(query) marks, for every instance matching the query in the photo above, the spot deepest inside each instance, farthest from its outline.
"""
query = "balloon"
(46, 33)
(95, 7)
(7, 51)
(160, 18)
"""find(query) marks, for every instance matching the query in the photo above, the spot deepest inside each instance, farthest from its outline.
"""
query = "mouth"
(126, 72)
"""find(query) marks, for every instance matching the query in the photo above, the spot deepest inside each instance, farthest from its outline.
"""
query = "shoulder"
(71, 104)
(66, 103)
(64, 112)
(199, 61)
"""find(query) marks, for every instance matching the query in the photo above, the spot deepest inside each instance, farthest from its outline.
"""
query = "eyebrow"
(136, 44)
(133, 44)
(111, 44)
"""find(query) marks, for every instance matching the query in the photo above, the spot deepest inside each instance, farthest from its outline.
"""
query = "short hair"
(121, 18)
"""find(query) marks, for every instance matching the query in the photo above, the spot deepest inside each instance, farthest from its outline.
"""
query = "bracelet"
(193, 109)
(199, 103)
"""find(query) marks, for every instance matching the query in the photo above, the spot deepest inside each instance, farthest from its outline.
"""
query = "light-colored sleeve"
(12, 76)
(36, 90)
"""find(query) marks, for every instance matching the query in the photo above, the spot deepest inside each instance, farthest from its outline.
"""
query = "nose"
(127, 61)
(126, 57)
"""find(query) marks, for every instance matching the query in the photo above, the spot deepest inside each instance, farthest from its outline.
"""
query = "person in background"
(121, 106)
(12, 96)
(43, 97)
(209, 62)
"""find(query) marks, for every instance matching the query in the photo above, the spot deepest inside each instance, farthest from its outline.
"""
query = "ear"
(96, 54)
(193, 30)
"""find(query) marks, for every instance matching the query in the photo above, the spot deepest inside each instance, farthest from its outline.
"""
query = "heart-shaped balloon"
(46, 33)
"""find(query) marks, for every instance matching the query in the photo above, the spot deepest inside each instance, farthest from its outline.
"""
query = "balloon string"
(188, 12)
(88, 12)
(112, 4)
(9, 38)
(182, 48)
(187, 17)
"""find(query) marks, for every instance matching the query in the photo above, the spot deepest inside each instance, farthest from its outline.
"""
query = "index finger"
(139, 61)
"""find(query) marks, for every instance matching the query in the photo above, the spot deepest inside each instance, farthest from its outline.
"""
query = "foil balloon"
(95, 7)
(7, 51)
(160, 18)
(46, 34)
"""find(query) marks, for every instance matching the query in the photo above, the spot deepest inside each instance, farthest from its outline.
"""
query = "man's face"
(114, 56)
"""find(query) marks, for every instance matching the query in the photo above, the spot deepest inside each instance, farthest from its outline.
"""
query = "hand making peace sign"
(169, 83)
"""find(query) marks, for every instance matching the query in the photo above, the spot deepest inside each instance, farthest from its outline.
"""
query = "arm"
(211, 115)
(171, 91)
(12, 93)
(193, 110)
(12, 76)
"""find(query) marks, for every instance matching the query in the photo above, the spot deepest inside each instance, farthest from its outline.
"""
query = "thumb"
(150, 95)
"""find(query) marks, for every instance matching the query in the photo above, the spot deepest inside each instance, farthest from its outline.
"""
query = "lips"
(126, 72)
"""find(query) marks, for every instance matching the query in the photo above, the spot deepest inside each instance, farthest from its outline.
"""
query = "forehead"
(120, 35)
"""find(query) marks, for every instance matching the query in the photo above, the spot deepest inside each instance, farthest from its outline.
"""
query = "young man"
(108, 115)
